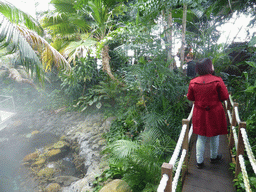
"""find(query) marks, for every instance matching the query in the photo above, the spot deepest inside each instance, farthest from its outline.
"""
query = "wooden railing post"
(185, 146)
(240, 147)
(233, 124)
(167, 169)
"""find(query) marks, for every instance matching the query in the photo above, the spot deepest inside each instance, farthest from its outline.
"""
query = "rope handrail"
(237, 115)
(165, 177)
(163, 183)
(229, 116)
(174, 158)
(235, 136)
(231, 100)
(228, 112)
(178, 146)
(191, 113)
(190, 133)
(249, 149)
(242, 136)
(240, 139)
(244, 173)
(177, 174)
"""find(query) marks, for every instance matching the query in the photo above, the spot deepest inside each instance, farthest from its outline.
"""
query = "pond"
(20, 138)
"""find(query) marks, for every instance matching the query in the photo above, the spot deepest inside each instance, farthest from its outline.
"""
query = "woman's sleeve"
(190, 94)
(222, 91)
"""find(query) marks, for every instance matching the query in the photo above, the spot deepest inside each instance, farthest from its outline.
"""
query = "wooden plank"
(213, 177)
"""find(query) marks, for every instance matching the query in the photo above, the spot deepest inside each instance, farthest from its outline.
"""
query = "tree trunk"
(105, 62)
(183, 42)
(16, 76)
(168, 35)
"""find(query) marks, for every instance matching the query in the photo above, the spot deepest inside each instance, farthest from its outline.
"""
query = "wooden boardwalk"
(213, 177)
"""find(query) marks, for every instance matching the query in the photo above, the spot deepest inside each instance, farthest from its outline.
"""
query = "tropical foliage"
(21, 32)
(76, 42)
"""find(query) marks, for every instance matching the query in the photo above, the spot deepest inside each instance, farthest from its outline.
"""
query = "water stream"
(30, 132)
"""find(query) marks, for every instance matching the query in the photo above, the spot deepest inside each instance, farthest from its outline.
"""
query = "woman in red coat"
(209, 120)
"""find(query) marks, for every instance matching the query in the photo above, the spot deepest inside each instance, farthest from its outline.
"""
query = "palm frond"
(77, 48)
(155, 119)
(64, 19)
(11, 36)
(17, 16)
(64, 5)
(124, 148)
(156, 138)
(50, 56)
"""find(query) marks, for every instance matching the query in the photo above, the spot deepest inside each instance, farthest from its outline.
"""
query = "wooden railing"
(169, 183)
(240, 141)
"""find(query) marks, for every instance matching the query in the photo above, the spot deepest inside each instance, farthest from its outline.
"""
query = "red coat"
(208, 116)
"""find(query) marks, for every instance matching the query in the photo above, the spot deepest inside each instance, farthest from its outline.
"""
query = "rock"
(102, 142)
(65, 180)
(107, 123)
(42, 139)
(31, 157)
(38, 163)
(61, 145)
(68, 134)
(95, 147)
(34, 132)
(54, 154)
(46, 172)
(53, 187)
(94, 168)
(116, 185)
(82, 185)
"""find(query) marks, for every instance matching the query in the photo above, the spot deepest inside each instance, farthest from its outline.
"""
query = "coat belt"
(206, 107)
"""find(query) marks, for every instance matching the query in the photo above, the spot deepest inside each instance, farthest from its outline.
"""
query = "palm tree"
(74, 19)
(183, 41)
(21, 33)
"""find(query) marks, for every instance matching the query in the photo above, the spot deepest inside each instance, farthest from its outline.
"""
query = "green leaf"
(252, 42)
(90, 102)
(253, 181)
(76, 105)
(99, 105)
(251, 89)
(251, 63)
(84, 108)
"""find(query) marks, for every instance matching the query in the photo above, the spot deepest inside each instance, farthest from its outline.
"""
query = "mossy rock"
(60, 145)
(54, 154)
(34, 132)
(63, 137)
(39, 163)
(46, 172)
(31, 157)
(53, 187)
(116, 185)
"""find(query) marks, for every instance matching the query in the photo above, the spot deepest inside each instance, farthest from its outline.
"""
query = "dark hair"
(204, 67)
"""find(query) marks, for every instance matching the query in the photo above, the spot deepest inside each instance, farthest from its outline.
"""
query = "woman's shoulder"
(217, 77)
(206, 79)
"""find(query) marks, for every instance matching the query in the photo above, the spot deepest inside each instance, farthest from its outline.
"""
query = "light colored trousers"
(200, 146)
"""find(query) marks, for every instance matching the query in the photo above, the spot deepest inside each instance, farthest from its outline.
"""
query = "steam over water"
(15, 144)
